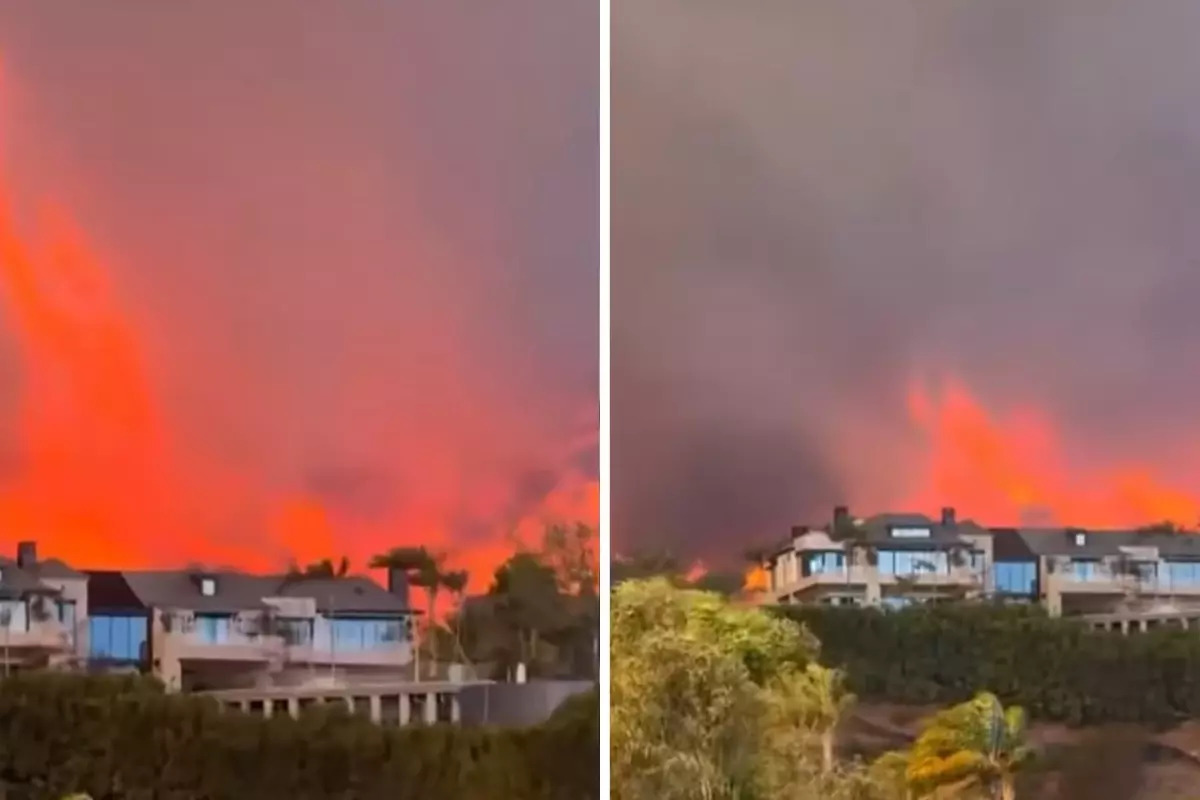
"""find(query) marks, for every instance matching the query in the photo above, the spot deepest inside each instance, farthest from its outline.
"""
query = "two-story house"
(200, 629)
(41, 603)
(887, 559)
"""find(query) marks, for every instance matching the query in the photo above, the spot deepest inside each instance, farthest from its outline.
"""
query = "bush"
(1056, 668)
(126, 738)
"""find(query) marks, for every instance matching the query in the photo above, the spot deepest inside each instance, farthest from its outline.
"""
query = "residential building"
(888, 559)
(1127, 579)
(200, 629)
(41, 604)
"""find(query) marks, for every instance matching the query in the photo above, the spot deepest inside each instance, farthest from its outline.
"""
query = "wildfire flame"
(1012, 469)
(755, 580)
(99, 477)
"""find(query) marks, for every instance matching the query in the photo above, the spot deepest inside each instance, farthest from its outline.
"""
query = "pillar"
(430, 708)
(294, 707)
(405, 708)
(455, 709)
(376, 709)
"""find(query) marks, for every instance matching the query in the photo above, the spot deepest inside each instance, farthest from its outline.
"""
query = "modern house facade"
(1110, 576)
(42, 606)
(888, 559)
(198, 630)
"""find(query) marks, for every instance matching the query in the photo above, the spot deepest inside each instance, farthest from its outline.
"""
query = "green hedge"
(126, 738)
(1056, 668)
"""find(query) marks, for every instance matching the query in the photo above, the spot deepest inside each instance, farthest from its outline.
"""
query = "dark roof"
(17, 581)
(350, 595)
(180, 589)
(1009, 545)
(54, 568)
(235, 591)
(108, 591)
(1102, 543)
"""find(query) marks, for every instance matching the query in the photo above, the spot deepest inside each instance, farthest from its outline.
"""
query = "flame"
(695, 572)
(755, 580)
(100, 477)
(1012, 468)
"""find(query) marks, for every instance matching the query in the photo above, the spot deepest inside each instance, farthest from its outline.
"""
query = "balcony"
(197, 646)
(40, 636)
(860, 575)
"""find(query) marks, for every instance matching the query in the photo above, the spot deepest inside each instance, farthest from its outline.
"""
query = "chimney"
(949, 518)
(397, 584)
(841, 515)
(26, 554)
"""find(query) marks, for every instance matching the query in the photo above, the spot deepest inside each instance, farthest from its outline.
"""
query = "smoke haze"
(819, 206)
(350, 258)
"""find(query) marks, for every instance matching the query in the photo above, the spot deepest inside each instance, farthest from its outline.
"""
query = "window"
(1015, 577)
(117, 638)
(1182, 573)
(824, 562)
(910, 533)
(1080, 538)
(1084, 569)
(212, 628)
(296, 631)
(913, 562)
(66, 616)
(366, 634)
(208, 587)
(14, 615)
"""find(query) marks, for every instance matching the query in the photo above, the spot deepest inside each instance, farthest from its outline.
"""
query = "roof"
(236, 591)
(108, 591)
(53, 568)
(16, 580)
(1105, 543)
(879, 531)
(352, 594)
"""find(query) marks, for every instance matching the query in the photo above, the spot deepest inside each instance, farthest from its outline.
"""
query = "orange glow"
(1012, 468)
(755, 580)
(100, 478)
(697, 571)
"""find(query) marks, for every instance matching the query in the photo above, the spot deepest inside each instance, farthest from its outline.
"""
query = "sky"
(902, 255)
(332, 283)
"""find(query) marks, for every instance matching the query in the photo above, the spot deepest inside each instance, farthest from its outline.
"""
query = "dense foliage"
(126, 738)
(1055, 668)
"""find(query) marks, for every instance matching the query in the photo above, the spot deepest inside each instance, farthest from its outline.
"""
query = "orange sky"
(106, 465)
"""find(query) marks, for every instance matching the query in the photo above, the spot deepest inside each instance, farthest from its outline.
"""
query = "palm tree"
(811, 700)
(455, 582)
(421, 568)
(325, 568)
(978, 744)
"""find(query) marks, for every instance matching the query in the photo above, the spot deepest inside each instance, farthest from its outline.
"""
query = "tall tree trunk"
(827, 750)
(432, 626)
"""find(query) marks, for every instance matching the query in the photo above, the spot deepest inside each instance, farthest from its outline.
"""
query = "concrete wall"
(516, 704)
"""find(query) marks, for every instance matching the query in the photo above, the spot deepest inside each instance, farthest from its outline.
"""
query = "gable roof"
(1107, 543)
(15, 580)
(351, 594)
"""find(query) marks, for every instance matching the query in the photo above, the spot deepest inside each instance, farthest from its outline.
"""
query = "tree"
(807, 702)
(423, 569)
(688, 670)
(455, 582)
(528, 603)
(978, 744)
(572, 554)
(325, 568)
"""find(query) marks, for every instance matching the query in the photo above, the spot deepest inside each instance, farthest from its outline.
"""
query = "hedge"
(1056, 668)
(124, 737)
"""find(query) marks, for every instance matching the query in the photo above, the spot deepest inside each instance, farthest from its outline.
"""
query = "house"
(41, 603)
(200, 629)
(887, 559)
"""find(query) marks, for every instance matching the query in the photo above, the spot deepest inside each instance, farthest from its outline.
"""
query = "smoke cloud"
(815, 205)
(352, 248)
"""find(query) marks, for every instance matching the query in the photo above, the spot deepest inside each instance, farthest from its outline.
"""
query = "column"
(268, 707)
(294, 707)
(405, 708)
(376, 709)
(455, 709)
(430, 708)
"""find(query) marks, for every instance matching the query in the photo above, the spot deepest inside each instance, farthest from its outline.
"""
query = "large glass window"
(366, 634)
(824, 562)
(1085, 569)
(117, 638)
(1015, 577)
(66, 616)
(296, 631)
(913, 562)
(213, 628)
(1182, 573)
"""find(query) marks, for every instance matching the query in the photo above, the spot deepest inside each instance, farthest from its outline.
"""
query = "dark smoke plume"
(816, 203)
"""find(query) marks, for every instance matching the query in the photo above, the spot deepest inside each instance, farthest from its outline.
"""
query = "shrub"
(1055, 668)
(126, 738)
